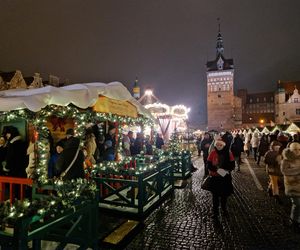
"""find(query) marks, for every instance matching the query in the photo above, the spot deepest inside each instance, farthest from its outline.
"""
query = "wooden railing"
(13, 187)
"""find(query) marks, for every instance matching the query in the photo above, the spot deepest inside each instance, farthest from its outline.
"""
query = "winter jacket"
(272, 161)
(237, 146)
(221, 159)
(204, 146)
(3, 151)
(290, 167)
(31, 164)
(91, 147)
(67, 156)
(254, 141)
(263, 146)
(16, 160)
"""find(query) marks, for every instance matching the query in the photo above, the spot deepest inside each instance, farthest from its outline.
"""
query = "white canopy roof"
(81, 95)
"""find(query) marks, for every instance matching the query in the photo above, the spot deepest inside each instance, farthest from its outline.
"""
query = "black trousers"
(216, 203)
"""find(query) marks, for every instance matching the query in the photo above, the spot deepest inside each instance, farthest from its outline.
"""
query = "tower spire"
(220, 47)
(136, 89)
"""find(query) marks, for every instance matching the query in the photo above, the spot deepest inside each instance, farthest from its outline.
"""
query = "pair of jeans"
(295, 210)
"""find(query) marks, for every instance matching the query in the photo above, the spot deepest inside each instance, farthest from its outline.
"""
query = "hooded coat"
(290, 167)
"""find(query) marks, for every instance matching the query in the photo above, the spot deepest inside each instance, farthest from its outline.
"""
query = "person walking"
(220, 163)
(254, 144)
(247, 144)
(272, 161)
(263, 147)
(290, 167)
(237, 147)
(204, 147)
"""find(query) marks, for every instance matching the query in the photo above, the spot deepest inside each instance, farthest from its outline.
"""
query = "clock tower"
(220, 93)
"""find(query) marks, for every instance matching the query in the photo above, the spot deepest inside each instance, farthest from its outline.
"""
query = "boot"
(215, 217)
(225, 213)
(277, 199)
(295, 226)
(270, 192)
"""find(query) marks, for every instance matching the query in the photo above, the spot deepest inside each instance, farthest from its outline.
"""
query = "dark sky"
(166, 43)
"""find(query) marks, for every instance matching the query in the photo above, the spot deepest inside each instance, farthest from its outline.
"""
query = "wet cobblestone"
(184, 220)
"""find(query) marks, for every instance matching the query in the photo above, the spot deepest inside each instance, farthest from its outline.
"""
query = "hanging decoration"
(170, 118)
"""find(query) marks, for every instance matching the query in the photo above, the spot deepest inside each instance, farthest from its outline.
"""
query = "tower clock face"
(220, 63)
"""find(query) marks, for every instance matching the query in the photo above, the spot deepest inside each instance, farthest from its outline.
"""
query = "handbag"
(70, 165)
(206, 183)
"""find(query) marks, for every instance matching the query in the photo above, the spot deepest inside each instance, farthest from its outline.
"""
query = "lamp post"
(261, 121)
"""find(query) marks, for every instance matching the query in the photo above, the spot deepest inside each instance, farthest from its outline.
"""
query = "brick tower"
(220, 94)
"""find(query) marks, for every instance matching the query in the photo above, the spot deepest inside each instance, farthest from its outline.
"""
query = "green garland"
(69, 194)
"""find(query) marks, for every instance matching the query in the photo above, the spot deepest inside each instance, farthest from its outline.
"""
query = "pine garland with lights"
(69, 194)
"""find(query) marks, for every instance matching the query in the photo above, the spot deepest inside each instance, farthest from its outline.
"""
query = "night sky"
(166, 43)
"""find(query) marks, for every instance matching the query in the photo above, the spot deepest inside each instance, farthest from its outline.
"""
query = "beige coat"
(31, 164)
(290, 167)
(91, 146)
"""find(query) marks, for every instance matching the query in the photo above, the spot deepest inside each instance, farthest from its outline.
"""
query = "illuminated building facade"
(257, 108)
(287, 102)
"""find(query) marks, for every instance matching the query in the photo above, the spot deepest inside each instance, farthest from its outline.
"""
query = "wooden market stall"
(133, 185)
(55, 110)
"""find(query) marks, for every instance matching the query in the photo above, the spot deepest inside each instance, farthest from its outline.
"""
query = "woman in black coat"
(237, 147)
(3, 152)
(16, 159)
(71, 150)
(263, 147)
(220, 163)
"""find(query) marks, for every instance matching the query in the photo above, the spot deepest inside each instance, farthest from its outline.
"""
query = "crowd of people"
(67, 158)
(280, 153)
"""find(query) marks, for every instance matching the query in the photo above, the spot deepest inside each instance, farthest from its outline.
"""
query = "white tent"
(81, 95)
(293, 128)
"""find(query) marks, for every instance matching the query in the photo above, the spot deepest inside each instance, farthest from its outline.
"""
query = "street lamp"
(148, 92)
(261, 121)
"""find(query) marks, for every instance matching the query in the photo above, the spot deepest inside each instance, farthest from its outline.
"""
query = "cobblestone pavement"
(184, 221)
